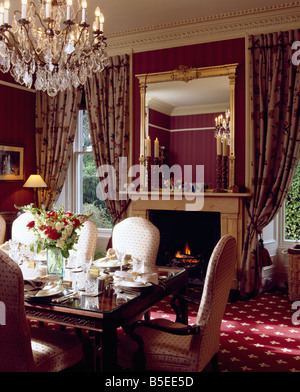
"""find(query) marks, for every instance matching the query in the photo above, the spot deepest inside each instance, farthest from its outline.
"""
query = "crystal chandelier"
(50, 44)
(223, 126)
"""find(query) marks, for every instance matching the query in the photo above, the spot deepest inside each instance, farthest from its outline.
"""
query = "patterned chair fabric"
(137, 237)
(87, 242)
(2, 229)
(24, 349)
(21, 233)
(191, 353)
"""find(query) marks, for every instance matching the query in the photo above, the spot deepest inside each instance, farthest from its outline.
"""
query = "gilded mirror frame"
(183, 73)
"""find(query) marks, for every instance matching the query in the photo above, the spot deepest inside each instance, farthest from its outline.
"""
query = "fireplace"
(187, 239)
(229, 207)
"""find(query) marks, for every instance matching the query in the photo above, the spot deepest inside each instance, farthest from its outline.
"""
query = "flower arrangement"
(55, 229)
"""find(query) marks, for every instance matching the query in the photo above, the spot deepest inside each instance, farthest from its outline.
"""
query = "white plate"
(48, 292)
(128, 283)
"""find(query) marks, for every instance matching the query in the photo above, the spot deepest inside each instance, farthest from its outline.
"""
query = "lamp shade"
(35, 181)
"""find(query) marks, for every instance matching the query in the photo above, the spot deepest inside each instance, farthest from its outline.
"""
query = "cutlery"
(64, 298)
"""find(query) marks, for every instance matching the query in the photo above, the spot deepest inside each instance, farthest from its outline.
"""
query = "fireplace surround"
(229, 206)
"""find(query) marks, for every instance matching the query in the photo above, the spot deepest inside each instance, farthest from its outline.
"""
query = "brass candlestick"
(225, 172)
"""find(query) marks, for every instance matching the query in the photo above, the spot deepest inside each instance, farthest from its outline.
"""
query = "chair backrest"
(218, 281)
(87, 242)
(2, 229)
(21, 233)
(15, 342)
(137, 237)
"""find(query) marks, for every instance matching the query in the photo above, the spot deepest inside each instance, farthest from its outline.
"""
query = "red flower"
(76, 222)
(31, 224)
(52, 233)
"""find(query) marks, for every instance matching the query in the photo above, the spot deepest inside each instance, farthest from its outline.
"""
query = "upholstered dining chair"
(137, 237)
(19, 231)
(2, 229)
(25, 349)
(87, 241)
(163, 345)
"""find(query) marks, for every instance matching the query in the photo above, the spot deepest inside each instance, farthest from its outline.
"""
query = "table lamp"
(35, 181)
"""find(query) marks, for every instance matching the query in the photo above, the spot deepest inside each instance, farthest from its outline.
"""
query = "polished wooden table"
(108, 311)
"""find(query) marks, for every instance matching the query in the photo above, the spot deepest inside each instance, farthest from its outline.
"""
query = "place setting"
(48, 288)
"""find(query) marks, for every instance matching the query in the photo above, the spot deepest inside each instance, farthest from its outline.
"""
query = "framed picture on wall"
(11, 163)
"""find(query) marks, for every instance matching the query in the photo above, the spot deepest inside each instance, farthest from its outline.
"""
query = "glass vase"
(55, 262)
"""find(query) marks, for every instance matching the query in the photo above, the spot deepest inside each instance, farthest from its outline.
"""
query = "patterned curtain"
(55, 124)
(107, 101)
(275, 107)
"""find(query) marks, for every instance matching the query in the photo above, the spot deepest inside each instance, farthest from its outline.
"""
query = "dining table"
(104, 313)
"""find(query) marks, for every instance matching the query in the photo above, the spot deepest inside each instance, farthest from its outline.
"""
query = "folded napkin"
(147, 278)
(34, 285)
(120, 276)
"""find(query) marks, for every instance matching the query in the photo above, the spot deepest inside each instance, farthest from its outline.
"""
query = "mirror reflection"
(181, 116)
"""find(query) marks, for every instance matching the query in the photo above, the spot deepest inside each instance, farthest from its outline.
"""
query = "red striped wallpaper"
(17, 110)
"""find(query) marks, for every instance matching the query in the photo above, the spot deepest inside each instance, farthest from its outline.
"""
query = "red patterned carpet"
(257, 335)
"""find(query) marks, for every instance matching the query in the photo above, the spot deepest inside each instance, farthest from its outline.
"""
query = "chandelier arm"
(9, 45)
(31, 45)
(38, 16)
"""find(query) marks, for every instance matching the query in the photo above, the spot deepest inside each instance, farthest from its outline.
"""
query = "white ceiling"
(124, 15)
(198, 95)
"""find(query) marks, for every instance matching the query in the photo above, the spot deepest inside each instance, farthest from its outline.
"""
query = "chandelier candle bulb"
(84, 6)
(97, 18)
(69, 4)
(24, 4)
(47, 8)
(1, 14)
(101, 22)
(6, 11)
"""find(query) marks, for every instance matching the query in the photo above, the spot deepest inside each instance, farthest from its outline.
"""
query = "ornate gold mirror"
(215, 92)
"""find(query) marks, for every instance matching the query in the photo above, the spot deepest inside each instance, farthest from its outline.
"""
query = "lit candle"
(48, 8)
(219, 145)
(6, 10)
(84, 5)
(225, 146)
(69, 5)
(97, 18)
(216, 120)
(101, 22)
(1, 14)
(148, 147)
(156, 148)
(24, 3)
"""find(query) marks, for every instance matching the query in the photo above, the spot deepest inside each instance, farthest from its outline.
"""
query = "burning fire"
(187, 249)
(187, 252)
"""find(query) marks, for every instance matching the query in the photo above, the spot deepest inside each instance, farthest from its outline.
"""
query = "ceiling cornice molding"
(206, 29)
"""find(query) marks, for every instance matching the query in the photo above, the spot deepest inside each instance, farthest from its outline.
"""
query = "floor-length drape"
(275, 127)
(107, 102)
(56, 121)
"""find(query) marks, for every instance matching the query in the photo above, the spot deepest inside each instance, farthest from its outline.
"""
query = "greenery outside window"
(81, 190)
(292, 209)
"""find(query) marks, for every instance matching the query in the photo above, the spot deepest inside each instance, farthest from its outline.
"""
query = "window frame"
(71, 196)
